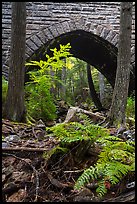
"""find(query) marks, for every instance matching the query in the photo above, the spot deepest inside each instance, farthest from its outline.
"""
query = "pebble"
(12, 138)
(126, 132)
(4, 144)
(131, 185)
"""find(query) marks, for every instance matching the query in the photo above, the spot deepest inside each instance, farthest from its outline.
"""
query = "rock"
(12, 138)
(121, 130)
(40, 124)
(84, 195)
(84, 199)
(71, 115)
(50, 123)
(126, 132)
(131, 185)
(129, 135)
(5, 144)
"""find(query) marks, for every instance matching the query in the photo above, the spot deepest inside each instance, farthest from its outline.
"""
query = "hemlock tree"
(14, 106)
(119, 100)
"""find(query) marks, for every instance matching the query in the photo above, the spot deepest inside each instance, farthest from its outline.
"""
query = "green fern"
(89, 174)
(115, 161)
(39, 98)
(74, 131)
(101, 189)
(55, 150)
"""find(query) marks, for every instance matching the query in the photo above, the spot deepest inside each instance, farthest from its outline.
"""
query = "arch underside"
(88, 47)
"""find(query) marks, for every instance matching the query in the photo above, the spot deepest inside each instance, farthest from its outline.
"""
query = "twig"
(24, 149)
(76, 171)
(34, 132)
(103, 121)
(7, 123)
(36, 172)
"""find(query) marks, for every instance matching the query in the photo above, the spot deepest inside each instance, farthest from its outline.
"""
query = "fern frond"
(112, 164)
(126, 146)
(116, 159)
(88, 175)
(115, 171)
(101, 189)
(54, 150)
(74, 139)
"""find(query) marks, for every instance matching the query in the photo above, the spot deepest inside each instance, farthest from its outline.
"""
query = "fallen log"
(23, 149)
(71, 115)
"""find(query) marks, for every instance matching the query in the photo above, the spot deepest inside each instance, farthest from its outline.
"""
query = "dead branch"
(73, 110)
(23, 149)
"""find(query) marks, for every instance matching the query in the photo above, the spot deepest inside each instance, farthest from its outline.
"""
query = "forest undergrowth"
(74, 161)
(51, 159)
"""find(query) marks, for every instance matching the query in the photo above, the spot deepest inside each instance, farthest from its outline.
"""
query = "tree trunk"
(101, 86)
(93, 93)
(120, 93)
(63, 78)
(14, 107)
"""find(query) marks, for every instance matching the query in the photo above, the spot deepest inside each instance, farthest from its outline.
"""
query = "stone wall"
(46, 20)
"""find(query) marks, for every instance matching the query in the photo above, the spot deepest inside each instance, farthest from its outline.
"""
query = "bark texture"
(14, 106)
(93, 93)
(119, 99)
(101, 86)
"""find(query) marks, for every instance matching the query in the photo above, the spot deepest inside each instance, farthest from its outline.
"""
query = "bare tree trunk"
(14, 106)
(101, 86)
(93, 93)
(120, 93)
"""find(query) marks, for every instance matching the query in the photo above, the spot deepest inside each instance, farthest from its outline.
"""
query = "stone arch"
(106, 34)
(49, 33)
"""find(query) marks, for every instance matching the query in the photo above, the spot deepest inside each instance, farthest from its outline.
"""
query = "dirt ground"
(28, 176)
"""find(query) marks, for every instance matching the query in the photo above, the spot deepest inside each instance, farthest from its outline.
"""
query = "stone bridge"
(92, 28)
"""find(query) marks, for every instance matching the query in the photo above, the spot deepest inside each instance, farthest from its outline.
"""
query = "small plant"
(74, 131)
(115, 160)
(55, 150)
(4, 90)
(39, 100)
(130, 108)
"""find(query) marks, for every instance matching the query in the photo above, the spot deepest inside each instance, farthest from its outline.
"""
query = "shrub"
(39, 100)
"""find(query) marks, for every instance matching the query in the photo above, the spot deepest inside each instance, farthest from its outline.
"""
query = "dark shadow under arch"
(88, 47)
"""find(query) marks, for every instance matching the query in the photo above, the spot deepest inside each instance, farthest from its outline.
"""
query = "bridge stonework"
(47, 21)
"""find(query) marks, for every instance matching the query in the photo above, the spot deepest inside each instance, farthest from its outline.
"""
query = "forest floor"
(28, 176)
